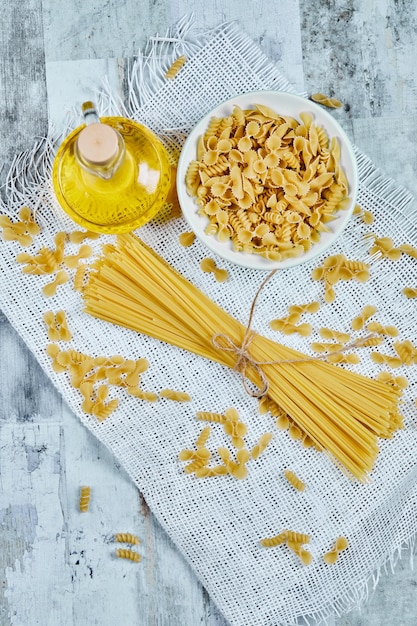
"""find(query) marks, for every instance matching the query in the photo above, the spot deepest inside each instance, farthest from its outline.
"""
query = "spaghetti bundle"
(344, 413)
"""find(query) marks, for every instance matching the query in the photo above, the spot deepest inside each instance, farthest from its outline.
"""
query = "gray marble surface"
(360, 52)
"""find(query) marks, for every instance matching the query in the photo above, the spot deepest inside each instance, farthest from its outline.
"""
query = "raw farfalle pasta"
(398, 382)
(84, 499)
(366, 216)
(53, 261)
(338, 267)
(294, 480)
(360, 320)
(175, 396)
(209, 265)
(49, 290)
(84, 252)
(336, 335)
(46, 260)
(376, 327)
(21, 231)
(78, 236)
(340, 359)
(406, 351)
(406, 355)
(410, 292)
(408, 249)
(294, 541)
(270, 184)
(321, 98)
(57, 326)
(89, 375)
(383, 248)
(332, 555)
(260, 447)
(187, 239)
(127, 553)
(289, 324)
(236, 431)
(173, 70)
(386, 359)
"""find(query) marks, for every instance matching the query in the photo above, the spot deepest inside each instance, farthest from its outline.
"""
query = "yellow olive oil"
(121, 193)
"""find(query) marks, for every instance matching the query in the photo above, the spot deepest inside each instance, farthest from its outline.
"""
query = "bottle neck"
(99, 148)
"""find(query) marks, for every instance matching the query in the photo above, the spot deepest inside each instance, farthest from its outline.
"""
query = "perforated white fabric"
(217, 523)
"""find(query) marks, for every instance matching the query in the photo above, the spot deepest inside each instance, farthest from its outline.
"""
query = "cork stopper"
(98, 144)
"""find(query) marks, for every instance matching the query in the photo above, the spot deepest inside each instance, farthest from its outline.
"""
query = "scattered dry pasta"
(293, 479)
(236, 431)
(88, 374)
(410, 292)
(338, 267)
(336, 335)
(187, 239)
(367, 312)
(173, 70)
(21, 231)
(289, 324)
(84, 252)
(406, 355)
(366, 216)
(332, 555)
(406, 352)
(126, 553)
(49, 289)
(409, 250)
(376, 327)
(54, 260)
(209, 265)
(57, 326)
(260, 447)
(80, 277)
(386, 359)
(294, 541)
(383, 247)
(268, 183)
(78, 236)
(331, 103)
(284, 422)
(175, 396)
(127, 538)
(84, 500)
(398, 382)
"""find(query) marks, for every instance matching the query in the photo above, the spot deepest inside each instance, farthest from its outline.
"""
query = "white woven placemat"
(217, 523)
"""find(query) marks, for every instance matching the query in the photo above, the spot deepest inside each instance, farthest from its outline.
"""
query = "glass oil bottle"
(111, 174)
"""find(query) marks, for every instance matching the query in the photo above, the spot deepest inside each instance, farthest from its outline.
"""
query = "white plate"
(284, 104)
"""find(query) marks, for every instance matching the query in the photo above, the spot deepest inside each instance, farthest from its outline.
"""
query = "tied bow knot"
(244, 360)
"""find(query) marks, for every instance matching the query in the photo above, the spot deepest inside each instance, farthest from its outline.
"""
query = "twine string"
(221, 341)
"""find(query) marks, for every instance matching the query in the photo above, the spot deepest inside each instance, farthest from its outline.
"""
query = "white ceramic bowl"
(284, 104)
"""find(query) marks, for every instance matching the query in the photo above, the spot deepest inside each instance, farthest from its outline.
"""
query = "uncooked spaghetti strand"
(360, 385)
(111, 275)
(350, 402)
(173, 285)
(134, 320)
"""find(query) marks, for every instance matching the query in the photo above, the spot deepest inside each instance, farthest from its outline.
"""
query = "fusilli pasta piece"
(293, 479)
(126, 553)
(84, 500)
